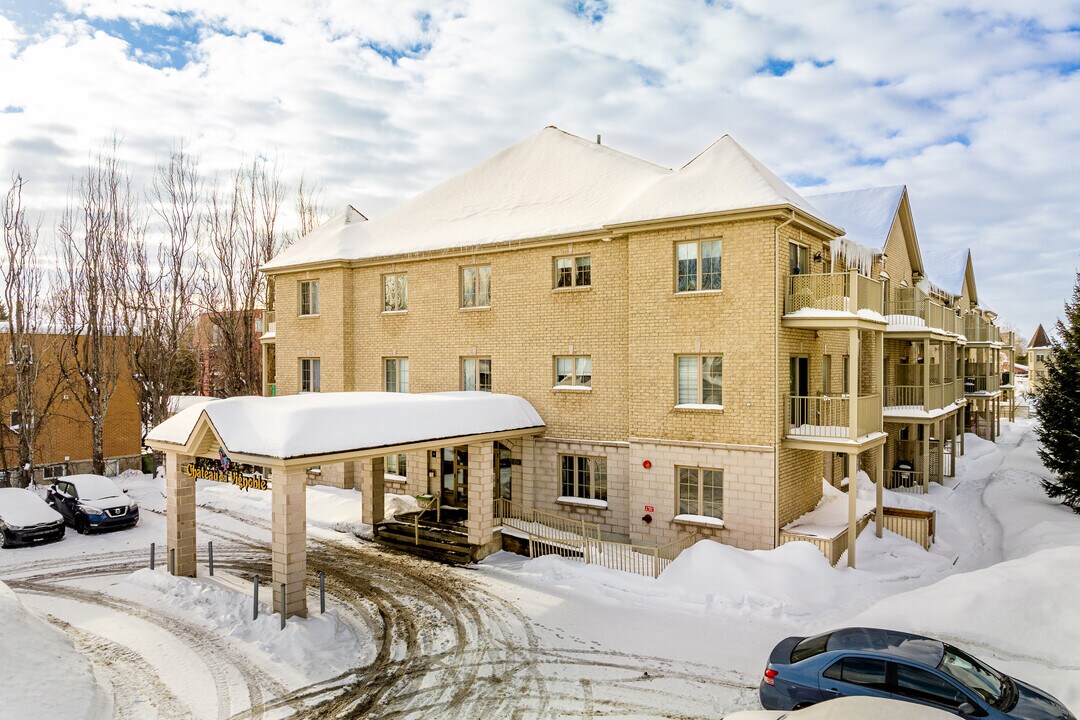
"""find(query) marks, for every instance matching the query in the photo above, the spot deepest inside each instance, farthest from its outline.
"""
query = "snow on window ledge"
(571, 288)
(699, 407)
(699, 520)
(395, 312)
(583, 502)
(698, 292)
(391, 477)
(572, 388)
(308, 315)
(478, 308)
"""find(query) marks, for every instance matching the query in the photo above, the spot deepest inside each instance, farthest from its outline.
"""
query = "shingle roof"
(1039, 339)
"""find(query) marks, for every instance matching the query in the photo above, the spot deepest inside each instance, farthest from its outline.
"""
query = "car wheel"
(82, 525)
(4, 540)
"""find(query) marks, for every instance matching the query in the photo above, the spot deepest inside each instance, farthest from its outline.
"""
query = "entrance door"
(455, 473)
(800, 391)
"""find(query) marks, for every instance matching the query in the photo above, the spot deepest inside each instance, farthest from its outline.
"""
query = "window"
(847, 368)
(476, 374)
(55, 471)
(573, 271)
(27, 354)
(826, 374)
(701, 380)
(309, 375)
(862, 671)
(697, 265)
(396, 464)
(395, 293)
(983, 679)
(924, 686)
(15, 420)
(798, 259)
(810, 647)
(309, 297)
(573, 371)
(701, 491)
(476, 286)
(396, 374)
(584, 477)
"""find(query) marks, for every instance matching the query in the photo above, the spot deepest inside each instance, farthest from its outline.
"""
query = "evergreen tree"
(1058, 407)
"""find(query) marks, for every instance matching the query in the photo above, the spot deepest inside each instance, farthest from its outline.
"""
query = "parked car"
(849, 708)
(871, 662)
(26, 519)
(93, 502)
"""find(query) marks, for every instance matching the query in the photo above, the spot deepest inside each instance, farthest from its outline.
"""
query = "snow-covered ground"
(548, 637)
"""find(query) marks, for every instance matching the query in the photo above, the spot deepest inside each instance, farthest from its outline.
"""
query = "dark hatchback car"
(93, 502)
(890, 664)
(26, 519)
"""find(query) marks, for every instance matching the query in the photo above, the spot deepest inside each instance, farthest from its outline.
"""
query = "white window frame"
(593, 487)
(477, 365)
(575, 271)
(698, 274)
(401, 374)
(476, 300)
(580, 372)
(699, 392)
(314, 371)
(309, 298)
(396, 466)
(699, 481)
(49, 471)
(798, 250)
(401, 302)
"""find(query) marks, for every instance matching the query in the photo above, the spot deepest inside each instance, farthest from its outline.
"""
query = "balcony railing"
(918, 396)
(982, 383)
(269, 320)
(834, 292)
(977, 329)
(914, 302)
(830, 417)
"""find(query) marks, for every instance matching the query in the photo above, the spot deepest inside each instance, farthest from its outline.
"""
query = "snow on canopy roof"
(723, 177)
(1039, 339)
(866, 215)
(946, 268)
(294, 426)
(552, 183)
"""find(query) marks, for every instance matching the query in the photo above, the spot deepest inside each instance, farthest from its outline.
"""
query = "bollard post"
(255, 615)
(282, 606)
(210, 549)
(322, 592)
(152, 553)
(172, 561)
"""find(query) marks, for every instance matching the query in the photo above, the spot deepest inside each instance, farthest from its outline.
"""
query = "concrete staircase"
(444, 542)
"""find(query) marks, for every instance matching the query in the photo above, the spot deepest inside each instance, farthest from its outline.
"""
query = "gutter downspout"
(776, 378)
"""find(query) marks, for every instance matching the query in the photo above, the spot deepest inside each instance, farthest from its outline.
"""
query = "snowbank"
(320, 646)
(35, 655)
(830, 516)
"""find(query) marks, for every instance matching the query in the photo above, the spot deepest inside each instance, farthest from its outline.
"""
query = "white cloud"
(971, 104)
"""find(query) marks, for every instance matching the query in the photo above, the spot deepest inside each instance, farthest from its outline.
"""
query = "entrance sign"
(233, 477)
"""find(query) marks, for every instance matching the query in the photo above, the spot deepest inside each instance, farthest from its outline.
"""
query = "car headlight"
(91, 512)
(6, 526)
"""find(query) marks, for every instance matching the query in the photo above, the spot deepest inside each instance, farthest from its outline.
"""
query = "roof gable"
(866, 215)
(722, 178)
(1040, 339)
(951, 271)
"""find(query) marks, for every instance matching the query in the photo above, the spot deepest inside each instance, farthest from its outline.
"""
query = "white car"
(849, 708)
(26, 519)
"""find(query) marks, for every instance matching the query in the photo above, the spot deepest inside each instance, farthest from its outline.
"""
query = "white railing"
(818, 416)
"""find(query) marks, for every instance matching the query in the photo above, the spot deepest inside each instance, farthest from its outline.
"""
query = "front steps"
(444, 542)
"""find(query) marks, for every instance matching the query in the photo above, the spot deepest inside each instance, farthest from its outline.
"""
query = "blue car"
(890, 664)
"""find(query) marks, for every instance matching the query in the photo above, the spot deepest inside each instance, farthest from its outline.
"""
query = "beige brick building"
(704, 344)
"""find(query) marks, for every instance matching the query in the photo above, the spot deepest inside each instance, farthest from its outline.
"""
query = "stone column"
(373, 489)
(853, 492)
(481, 521)
(339, 475)
(180, 512)
(289, 530)
(525, 491)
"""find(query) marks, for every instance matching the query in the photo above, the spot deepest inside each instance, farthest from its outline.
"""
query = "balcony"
(980, 330)
(269, 326)
(827, 420)
(981, 380)
(833, 300)
(909, 392)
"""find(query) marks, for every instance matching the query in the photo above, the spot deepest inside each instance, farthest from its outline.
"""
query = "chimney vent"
(598, 139)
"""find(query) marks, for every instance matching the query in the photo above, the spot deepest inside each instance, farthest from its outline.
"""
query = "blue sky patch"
(776, 67)
(592, 10)
(961, 138)
(805, 180)
(393, 53)
(158, 46)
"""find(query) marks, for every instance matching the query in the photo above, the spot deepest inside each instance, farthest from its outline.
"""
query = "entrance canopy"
(319, 427)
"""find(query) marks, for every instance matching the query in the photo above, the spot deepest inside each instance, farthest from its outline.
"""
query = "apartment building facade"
(703, 344)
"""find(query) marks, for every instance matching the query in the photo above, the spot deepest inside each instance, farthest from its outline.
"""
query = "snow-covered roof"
(946, 267)
(866, 215)
(550, 184)
(294, 426)
(723, 177)
(183, 402)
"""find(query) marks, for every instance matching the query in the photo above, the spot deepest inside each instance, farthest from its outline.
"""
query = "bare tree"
(310, 211)
(161, 283)
(96, 232)
(242, 234)
(35, 380)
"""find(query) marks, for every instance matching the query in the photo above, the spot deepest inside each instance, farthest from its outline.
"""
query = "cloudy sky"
(974, 104)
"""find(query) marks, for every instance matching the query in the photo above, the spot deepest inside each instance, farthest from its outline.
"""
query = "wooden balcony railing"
(835, 292)
(830, 417)
(977, 329)
(982, 383)
(915, 303)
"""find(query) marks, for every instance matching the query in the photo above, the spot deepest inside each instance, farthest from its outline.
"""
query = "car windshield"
(984, 681)
(92, 487)
(810, 647)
